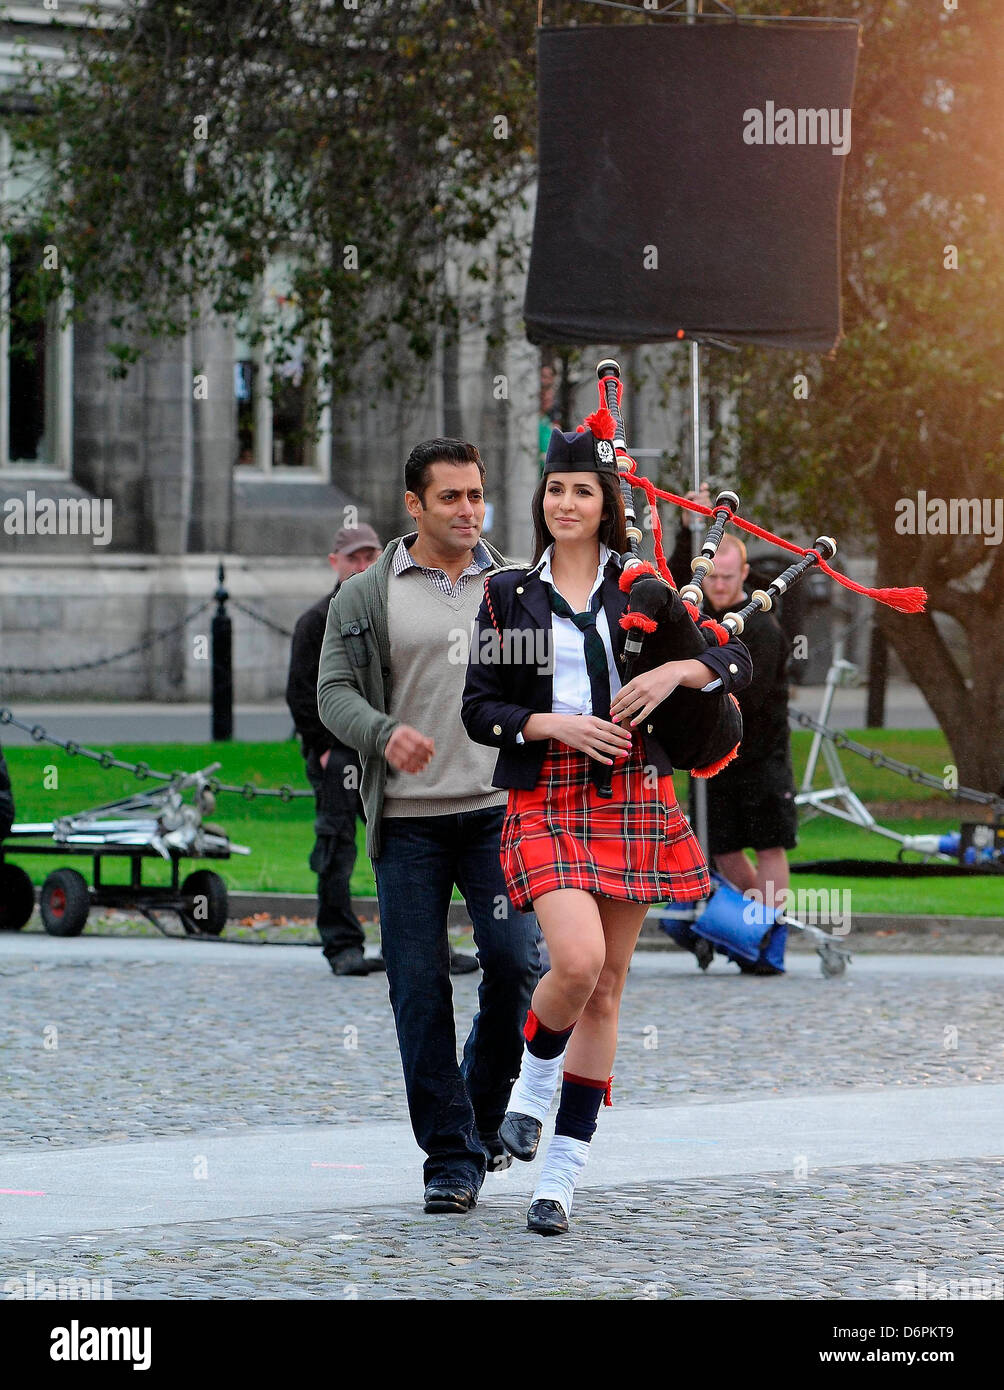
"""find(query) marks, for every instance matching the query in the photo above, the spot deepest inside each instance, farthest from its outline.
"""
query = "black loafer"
(351, 961)
(521, 1135)
(499, 1157)
(463, 965)
(547, 1218)
(440, 1197)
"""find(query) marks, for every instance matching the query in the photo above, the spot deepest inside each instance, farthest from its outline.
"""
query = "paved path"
(102, 722)
(203, 1119)
(106, 722)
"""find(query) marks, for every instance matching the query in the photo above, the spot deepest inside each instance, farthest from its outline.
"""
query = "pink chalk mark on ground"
(17, 1192)
(338, 1165)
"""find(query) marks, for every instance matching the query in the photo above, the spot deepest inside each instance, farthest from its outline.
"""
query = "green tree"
(193, 143)
(911, 400)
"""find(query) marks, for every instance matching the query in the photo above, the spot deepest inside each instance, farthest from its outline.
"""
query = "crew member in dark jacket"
(332, 768)
(751, 802)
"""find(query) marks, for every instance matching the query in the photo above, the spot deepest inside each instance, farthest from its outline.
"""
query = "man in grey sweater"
(391, 679)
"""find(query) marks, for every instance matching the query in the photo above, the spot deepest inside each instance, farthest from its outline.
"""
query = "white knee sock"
(565, 1160)
(536, 1084)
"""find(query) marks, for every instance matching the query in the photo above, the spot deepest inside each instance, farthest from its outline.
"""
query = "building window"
(36, 352)
(280, 432)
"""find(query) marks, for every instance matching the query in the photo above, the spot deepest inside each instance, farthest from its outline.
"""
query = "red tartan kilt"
(636, 846)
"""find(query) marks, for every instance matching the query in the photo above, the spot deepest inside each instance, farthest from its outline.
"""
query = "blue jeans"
(420, 860)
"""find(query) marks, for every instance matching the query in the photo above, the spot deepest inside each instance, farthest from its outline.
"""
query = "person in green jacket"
(390, 683)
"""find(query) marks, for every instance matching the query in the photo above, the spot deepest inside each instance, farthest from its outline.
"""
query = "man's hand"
(599, 738)
(694, 519)
(409, 751)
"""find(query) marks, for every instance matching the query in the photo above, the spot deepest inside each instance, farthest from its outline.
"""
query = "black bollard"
(223, 667)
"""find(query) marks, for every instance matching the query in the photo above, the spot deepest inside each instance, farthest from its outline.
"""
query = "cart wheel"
(704, 951)
(205, 884)
(17, 897)
(65, 903)
(832, 963)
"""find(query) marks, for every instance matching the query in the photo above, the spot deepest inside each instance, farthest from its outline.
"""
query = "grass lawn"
(280, 833)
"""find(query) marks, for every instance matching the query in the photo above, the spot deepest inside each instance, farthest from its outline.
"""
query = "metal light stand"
(698, 786)
(838, 799)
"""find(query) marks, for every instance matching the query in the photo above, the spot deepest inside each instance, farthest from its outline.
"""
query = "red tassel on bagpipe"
(720, 634)
(713, 768)
(638, 621)
(629, 576)
(603, 426)
(910, 600)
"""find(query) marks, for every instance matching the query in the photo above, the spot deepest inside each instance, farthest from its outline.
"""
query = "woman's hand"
(642, 693)
(602, 740)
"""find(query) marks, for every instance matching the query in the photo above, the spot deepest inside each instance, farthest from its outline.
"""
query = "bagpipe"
(700, 730)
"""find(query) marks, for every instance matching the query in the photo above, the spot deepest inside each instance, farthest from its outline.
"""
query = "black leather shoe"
(351, 961)
(547, 1218)
(463, 965)
(521, 1135)
(499, 1157)
(375, 964)
(443, 1197)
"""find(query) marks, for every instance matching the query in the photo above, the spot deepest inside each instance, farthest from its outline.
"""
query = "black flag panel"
(690, 180)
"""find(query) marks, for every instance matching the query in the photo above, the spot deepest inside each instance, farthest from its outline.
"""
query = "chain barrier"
(143, 646)
(143, 770)
(259, 617)
(882, 760)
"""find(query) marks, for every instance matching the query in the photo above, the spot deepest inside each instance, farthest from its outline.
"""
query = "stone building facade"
(194, 463)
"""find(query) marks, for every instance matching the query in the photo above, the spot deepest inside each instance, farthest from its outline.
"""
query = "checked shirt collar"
(481, 560)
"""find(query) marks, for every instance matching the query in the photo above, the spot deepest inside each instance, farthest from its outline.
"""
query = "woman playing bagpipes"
(593, 831)
(586, 747)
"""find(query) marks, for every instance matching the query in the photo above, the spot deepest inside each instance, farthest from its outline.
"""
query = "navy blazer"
(501, 694)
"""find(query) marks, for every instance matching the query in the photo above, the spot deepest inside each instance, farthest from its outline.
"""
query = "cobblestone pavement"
(105, 1051)
(862, 1233)
(143, 1050)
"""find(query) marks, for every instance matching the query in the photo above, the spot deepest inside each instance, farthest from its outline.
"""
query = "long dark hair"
(613, 527)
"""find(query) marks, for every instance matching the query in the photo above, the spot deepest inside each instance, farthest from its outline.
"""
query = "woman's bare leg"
(587, 1065)
(592, 1046)
(573, 929)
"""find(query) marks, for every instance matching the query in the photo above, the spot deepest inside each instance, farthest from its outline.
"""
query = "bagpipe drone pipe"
(700, 730)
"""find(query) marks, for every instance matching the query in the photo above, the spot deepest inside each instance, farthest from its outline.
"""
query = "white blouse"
(571, 678)
(571, 693)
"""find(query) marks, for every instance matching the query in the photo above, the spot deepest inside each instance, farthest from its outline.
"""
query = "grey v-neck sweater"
(429, 636)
